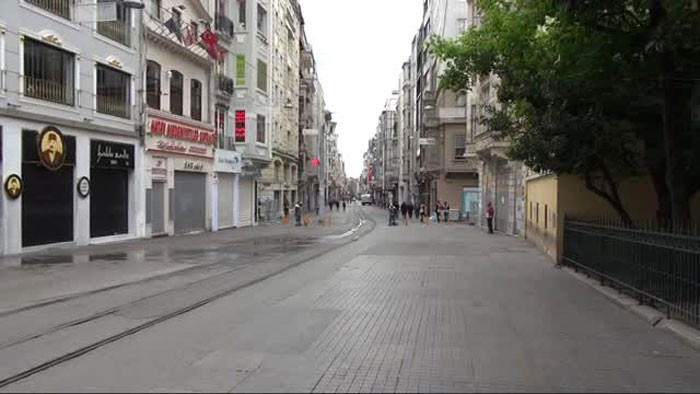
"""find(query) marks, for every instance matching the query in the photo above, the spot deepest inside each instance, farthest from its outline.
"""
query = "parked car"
(366, 199)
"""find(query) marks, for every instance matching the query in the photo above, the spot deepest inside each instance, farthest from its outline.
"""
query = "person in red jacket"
(489, 217)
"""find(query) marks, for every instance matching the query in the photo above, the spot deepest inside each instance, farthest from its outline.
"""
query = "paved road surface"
(417, 308)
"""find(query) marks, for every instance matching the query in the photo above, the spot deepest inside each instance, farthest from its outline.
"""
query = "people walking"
(344, 205)
(489, 216)
(404, 213)
(409, 210)
(297, 213)
(446, 211)
(423, 212)
(438, 210)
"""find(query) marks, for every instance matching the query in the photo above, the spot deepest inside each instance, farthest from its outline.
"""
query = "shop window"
(113, 92)
(176, 82)
(49, 73)
(153, 84)
(196, 99)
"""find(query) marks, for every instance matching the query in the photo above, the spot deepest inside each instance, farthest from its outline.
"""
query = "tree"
(579, 91)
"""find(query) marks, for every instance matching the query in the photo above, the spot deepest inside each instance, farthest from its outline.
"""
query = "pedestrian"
(297, 213)
(344, 205)
(404, 213)
(422, 213)
(286, 208)
(446, 211)
(438, 210)
(489, 216)
(409, 209)
(337, 205)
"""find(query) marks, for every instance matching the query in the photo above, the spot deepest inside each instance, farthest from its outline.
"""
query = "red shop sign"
(240, 126)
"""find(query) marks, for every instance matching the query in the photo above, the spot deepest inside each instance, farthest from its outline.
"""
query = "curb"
(656, 319)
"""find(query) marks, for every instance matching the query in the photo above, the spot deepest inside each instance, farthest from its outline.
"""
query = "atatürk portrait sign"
(51, 148)
(13, 186)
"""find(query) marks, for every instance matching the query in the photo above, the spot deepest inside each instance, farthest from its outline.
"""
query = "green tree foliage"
(580, 90)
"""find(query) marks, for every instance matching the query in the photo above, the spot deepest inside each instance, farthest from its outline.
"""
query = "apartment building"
(279, 179)
(69, 109)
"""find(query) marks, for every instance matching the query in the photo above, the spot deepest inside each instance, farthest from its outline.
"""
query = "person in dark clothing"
(404, 213)
(489, 217)
(446, 211)
(286, 207)
(344, 205)
(409, 210)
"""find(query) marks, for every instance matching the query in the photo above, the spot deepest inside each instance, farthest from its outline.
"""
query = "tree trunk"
(657, 172)
(612, 196)
(675, 119)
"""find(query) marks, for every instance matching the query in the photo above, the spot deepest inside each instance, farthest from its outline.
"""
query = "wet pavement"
(401, 309)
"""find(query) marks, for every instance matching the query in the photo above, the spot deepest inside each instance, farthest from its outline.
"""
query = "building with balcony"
(279, 180)
(69, 114)
(448, 168)
(180, 136)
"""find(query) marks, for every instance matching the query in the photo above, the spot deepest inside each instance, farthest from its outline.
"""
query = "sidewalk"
(62, 272)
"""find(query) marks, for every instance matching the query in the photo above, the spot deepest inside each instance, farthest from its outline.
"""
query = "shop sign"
(84, 187)
(165, 135)
(239, 130)
(192, 165)
(228, 161)
(14, 186)
(51, 148)
(159, 168)
(106, 154)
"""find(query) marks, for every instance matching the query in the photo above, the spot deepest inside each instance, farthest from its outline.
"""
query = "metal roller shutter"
(190, 202)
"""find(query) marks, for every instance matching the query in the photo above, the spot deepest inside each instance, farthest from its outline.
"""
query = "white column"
(236, 201)
(81, 213)
(11, 209)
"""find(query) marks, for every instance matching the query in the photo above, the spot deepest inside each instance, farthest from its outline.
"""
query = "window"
(49, 73)
(113, 92)
(240, 70)
(546, 216)
(462, 25)
(120, 29)
(195, 29)
(196, 99)
(262, 75)
(473, 122)
(262, 21)
(261, 129)
(460, 146)
(58, 7)
(241, 12)
(220, 125)
(153, 84)
(530, 211)
(156, 8)
(537, 213)
(177, 17)
(176, 82)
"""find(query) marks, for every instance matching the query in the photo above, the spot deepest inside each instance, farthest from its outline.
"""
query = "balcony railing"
(225, 84)
(224, 25)
(118, 31)
(48, 90)
(58, 7)
(115, 106)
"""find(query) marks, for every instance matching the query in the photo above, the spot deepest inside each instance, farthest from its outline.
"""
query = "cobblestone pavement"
(405, 309)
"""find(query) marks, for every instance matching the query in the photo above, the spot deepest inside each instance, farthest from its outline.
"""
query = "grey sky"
(359, 46)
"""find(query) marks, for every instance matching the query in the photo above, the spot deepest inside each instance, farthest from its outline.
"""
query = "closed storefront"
(225, 200)
(48, 160)
(189, 209)
(247, 192)
(111, 165)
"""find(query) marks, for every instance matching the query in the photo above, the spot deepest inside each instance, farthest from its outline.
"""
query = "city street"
(356, 306)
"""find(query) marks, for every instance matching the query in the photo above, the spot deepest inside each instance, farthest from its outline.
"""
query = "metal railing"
(225, 84)
(48, 90)
(655, 264)
(58, 7)
(224, 25)
(118, 31)
(115, 106)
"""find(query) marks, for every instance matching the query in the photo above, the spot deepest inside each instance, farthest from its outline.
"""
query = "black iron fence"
(655, 264)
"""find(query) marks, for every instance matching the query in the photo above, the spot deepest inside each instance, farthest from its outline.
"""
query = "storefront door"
(190, 201)
(109, 202)
(225, 200)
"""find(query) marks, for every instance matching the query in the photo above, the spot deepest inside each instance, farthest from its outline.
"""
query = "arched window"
(153, 84)
(176, 82)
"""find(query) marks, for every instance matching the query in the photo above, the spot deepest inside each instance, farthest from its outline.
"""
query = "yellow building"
(550, 198)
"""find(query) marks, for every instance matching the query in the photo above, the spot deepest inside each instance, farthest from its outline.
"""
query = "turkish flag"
(211, 42)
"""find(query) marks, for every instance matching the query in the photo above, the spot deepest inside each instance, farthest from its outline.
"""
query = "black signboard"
(105, 154)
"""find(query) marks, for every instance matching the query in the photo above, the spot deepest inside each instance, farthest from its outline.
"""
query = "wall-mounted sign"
(191, 165)
(426, 141)
(106, 154)
(240, 126)
(51, 148)
(14, 186)
(228, 161)
(84, 187)
(159, 168)
(165, 135)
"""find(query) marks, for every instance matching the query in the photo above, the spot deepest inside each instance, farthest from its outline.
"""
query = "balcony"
(224, 84)
(118, 31)
(58, 7)
(224, 25)
(115, 106)
(452, 113)
(485, 145)
(48, 90)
